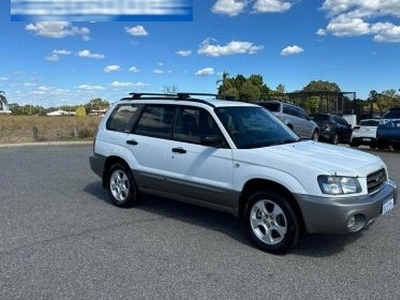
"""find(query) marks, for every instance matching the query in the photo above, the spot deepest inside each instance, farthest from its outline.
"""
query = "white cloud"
(3, 78)
(134, 69)
(356, 18)
(205, 72)
(158, 71)
(57, 30)
(87, 54)
(118, 84)
(112, 68)
(55, 54)
(44, 90)
(90, 87)
(290, 50)
(234, 47)
(53, 57)
(229, 7)
(386, 32)
(271, 6)
(184, 52)
(136, 30)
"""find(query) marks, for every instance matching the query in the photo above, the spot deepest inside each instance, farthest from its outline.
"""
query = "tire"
(315, 136)
(354, 144)
(121, 186)
(335, 139)
(271, 222)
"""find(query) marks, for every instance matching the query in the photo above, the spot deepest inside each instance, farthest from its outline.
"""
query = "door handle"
(131, 142)
(179, 150)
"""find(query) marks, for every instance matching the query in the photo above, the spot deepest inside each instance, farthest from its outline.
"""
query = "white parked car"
(364, 133)
(238, 158)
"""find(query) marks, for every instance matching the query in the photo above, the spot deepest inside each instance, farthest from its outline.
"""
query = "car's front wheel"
(272, 222)
(121, 186)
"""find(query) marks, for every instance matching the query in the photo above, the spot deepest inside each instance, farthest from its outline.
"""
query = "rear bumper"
(363, 140)
(97, 164)
(333, 214)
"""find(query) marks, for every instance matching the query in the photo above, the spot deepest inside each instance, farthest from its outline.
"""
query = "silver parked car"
(294, 117)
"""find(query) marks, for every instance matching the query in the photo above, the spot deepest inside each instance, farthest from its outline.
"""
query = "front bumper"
(333, 214)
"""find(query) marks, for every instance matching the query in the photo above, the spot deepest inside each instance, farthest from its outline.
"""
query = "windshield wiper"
(285, 141)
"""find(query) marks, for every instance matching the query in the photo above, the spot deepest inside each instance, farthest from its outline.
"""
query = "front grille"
(376, 180)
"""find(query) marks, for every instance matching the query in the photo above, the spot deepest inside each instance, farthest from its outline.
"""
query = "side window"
(193, 124)
(156, 121)
(302, 114)
(122, 118)
(286, 109)
(340, 121)
(292, 110)
(187, 125)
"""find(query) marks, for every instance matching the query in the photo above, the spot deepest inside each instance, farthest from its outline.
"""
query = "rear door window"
(156, 121)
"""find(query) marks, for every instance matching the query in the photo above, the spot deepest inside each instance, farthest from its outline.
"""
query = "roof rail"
(184, 95)
(139, 95)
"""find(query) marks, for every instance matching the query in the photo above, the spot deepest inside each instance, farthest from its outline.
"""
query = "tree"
(3, 97)
(225, 85)
(316, 102)
(250, 92)
(280, 90)
(240, 87)
(80, 111)
(96, 104)
(170, 89)
(321, 86)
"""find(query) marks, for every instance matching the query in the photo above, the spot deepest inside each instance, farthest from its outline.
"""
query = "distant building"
(61, 112)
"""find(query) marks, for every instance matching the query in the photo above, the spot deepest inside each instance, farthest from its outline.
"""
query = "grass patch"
(24, 129)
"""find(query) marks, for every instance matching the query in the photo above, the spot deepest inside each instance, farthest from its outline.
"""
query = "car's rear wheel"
(352, 144)
(335, 138)
(272, 222)
(121, 186)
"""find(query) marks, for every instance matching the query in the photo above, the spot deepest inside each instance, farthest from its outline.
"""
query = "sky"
(353, 43)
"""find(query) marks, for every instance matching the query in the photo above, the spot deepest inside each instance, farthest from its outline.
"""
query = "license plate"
(366, 139)
(388, 205)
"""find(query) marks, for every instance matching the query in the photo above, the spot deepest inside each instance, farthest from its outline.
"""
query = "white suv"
(238, 158)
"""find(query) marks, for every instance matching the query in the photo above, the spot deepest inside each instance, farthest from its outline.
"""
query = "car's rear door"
(148, 144)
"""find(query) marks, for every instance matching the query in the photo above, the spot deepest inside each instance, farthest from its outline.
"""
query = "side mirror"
(213, 140)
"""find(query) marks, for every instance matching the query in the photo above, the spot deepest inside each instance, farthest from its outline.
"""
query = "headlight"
(337, 185)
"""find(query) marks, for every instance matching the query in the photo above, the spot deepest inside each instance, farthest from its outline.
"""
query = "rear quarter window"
(122, 118)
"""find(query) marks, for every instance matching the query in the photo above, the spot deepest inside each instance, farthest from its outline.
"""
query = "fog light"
(356, 223)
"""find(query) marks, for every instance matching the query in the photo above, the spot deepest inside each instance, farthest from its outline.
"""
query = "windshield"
(254, 127)
(392, 114)
(271, 106)
(369, 122)
(319, 118)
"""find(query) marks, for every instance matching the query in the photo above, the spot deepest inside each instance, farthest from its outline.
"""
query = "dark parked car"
(388, 135)
(333, 128)
(390, 115)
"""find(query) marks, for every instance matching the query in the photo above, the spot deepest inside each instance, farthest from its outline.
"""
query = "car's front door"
(202, 173)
